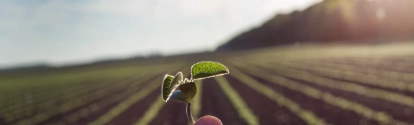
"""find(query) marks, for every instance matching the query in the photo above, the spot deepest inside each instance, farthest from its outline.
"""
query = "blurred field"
(306, 84)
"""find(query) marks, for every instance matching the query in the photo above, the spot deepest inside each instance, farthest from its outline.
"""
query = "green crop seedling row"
(122, 106)
(345, 86)
(373, 72)
(306, 115)
(96, 95)
(345, 104)
(366, 79)
(243, 110)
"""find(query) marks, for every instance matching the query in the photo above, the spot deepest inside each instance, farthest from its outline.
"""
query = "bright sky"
(60, 32)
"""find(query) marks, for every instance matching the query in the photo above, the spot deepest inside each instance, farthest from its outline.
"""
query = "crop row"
(369, 71)
(312, 92)
(343, 85)
(356, 77)
(280, 99)
(20, 110)
(131, 100)
(384, 63)
(238, 103)
(57, 90)
(72, 104)
(76, 98)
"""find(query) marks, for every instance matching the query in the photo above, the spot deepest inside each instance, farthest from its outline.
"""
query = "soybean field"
(288, 85)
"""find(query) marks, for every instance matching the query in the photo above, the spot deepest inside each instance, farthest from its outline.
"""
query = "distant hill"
(358, 21)
(150, 59)
(31, 68)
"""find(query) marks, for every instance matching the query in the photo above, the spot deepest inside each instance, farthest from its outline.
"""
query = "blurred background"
(96, 62)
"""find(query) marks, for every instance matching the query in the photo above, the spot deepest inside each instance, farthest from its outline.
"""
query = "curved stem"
(189, 115)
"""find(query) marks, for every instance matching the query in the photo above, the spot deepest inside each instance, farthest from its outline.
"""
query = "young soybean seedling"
(184, 90)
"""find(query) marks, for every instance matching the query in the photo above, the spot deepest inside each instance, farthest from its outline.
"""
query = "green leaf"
(207, 69)
(175, 82)
(177, 94)
(189, 90)
(178, 78)
(165, 88)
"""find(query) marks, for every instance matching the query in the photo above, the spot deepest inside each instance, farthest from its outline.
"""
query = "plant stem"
(189, 115)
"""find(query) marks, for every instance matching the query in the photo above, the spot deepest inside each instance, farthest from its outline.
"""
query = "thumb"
(208, 120)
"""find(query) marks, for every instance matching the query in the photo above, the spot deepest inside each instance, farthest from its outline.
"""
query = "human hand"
(208, 120)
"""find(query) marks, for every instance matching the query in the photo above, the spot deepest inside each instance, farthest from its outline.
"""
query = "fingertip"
(208, 120)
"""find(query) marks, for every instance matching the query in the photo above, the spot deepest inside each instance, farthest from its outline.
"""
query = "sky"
(64, 32)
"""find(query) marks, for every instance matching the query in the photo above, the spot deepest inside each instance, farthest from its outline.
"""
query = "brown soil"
(394, 109)
(173, 113)
(331, 114)
(216, 103)
(136, 111)
(93, 116)
(366, 85)
(268, 111)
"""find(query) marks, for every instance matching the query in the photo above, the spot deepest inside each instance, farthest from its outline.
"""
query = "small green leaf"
(207, 69)
(175, 82)
(165, 88)
(189, 90)
(177, 94)
(178, 78)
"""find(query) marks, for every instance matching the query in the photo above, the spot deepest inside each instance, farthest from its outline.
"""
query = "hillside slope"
(332, 21)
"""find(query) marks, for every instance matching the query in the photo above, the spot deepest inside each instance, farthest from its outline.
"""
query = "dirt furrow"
(265, 109)
(136, 111)
(215, 103)
(328, 112)
(398, 111)
(88, 106)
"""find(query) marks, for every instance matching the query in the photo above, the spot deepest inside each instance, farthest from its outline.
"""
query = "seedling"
(184, 90)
